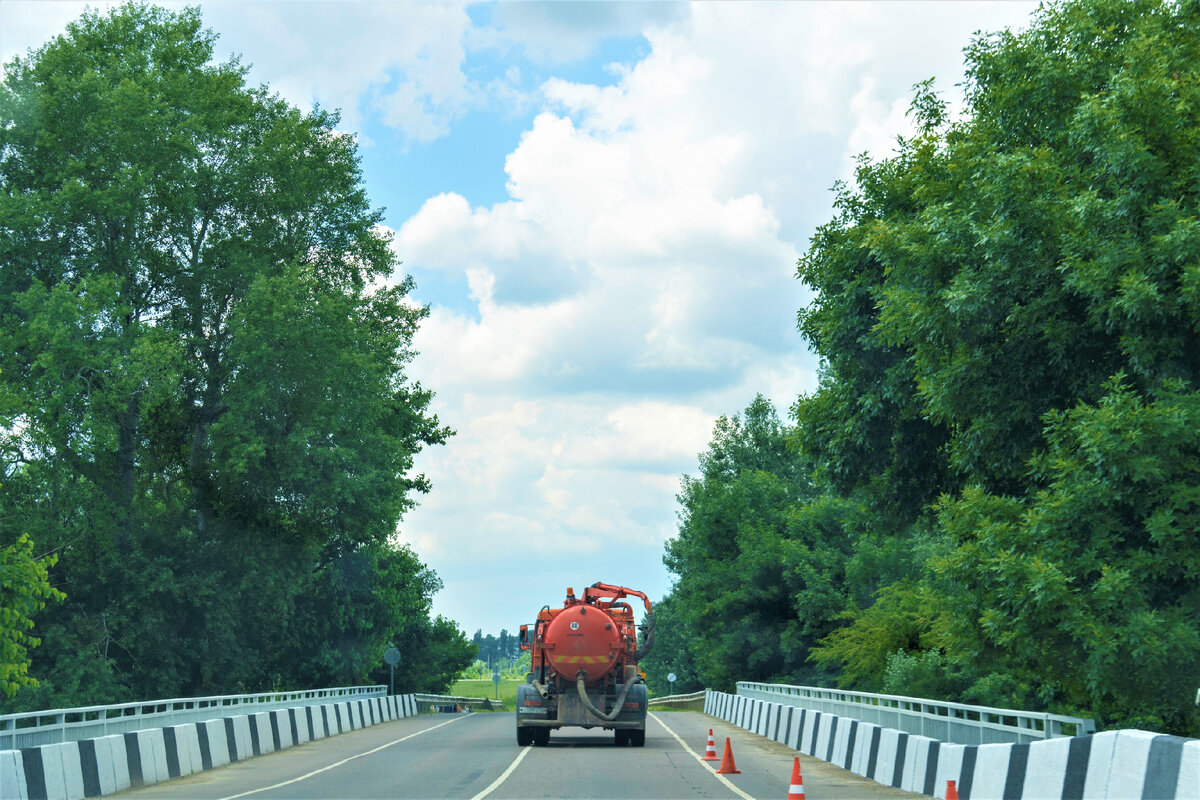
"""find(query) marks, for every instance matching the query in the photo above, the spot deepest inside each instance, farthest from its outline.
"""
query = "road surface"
(475, 756)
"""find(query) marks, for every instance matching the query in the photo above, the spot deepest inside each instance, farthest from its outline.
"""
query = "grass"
(485, 688)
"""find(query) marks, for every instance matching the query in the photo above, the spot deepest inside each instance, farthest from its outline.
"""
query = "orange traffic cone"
(951, 791)
(727, 765)
(796, 792)
(710, 752)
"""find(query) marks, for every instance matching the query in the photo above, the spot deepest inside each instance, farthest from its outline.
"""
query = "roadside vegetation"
(207, 432)
(506, 692)
(993, 495)
(206, 429)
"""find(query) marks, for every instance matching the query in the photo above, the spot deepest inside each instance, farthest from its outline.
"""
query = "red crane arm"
(599, 589)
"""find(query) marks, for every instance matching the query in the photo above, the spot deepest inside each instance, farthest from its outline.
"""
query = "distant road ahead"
(476, 755)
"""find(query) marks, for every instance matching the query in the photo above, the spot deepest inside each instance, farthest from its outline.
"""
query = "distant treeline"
(993, 495)
(492, 649)
(206, 431)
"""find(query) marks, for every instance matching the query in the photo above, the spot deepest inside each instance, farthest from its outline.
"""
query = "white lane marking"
(503, 777)
(343, 761)
(696, 756)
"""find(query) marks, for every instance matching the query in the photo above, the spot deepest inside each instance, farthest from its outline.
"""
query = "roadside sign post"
(392, 657)
(496, 680)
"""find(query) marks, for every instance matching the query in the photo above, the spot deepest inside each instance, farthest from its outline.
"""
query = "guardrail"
(957, 723)
(34, 728)
(691, 702)
(427, 702)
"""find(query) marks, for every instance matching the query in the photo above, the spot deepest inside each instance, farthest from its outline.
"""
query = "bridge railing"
(957, 723)
(689, 702)
(34, 728)
(430, 702)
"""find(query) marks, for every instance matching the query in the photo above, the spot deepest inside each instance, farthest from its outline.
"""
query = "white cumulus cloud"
(639, 279)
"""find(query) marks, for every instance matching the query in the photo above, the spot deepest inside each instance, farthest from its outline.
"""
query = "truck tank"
(584, 667)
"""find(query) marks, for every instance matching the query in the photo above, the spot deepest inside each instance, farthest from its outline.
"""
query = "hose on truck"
(647, 639)
(581, 679)
(580, 682)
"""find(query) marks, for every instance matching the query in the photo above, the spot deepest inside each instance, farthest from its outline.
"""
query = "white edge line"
(696, 756)
(343, 761)
(524, 752)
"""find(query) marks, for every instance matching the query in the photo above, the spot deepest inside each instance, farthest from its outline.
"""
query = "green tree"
(204, 363)
(766, 559)
(1091, 584)
(672, 651)
(976, 294)
(439, 654)
(24, 590)
(725, 554)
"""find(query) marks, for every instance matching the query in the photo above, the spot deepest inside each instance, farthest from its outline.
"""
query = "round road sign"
(391, 656)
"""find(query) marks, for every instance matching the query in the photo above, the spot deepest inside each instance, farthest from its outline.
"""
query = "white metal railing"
(957, 723)
(34, 728)
(680, 699)
(425, 702)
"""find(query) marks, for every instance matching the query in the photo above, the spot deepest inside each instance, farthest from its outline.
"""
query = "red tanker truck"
(583, 667)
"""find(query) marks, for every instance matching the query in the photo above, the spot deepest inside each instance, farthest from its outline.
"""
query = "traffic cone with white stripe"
(796, 791)
(951, 791)
(727, 765)
(710, 752)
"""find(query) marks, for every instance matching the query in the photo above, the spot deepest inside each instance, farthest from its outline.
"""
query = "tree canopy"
(1006, 312)
(203, 394)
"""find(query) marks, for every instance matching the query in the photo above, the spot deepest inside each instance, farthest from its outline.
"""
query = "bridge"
(361, 742)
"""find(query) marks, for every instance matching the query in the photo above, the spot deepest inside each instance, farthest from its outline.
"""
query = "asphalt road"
(475, 756)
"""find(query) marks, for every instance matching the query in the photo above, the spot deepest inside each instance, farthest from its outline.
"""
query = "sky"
(602, 204)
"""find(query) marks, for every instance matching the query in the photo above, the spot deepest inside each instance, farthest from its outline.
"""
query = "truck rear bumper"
(608, 726)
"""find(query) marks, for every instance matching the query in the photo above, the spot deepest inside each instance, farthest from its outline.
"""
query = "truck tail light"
(537, 703)
(632, 705)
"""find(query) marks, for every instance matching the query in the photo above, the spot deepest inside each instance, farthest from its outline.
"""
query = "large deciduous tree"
(1008, 313)
(203, 369)
(766, 558)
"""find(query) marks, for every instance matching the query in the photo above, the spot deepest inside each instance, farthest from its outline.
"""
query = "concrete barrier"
(151, 754)
(320, 722)
(260, 734)
(299, 725)
(1114, 765)
(109, 764)
(214, 746)
(182, 744)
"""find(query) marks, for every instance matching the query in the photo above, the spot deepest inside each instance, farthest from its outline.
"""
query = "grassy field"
(485, 688)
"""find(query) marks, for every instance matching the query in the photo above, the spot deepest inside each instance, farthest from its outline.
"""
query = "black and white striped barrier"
(95, 767)
(1115, 765)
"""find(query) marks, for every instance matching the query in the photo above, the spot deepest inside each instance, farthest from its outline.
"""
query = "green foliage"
(767, 561)
(1092, 583)
(506, 692)
(24, 590)
(1006, 314)
(203, 392)
(509, 667)
(435, 653)
(730, 592)
(905, 620)
(673, 637)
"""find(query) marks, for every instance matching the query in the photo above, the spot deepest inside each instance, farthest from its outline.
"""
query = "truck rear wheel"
(524, 736)
(541, 736)
(621, 739)
(637, 738)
